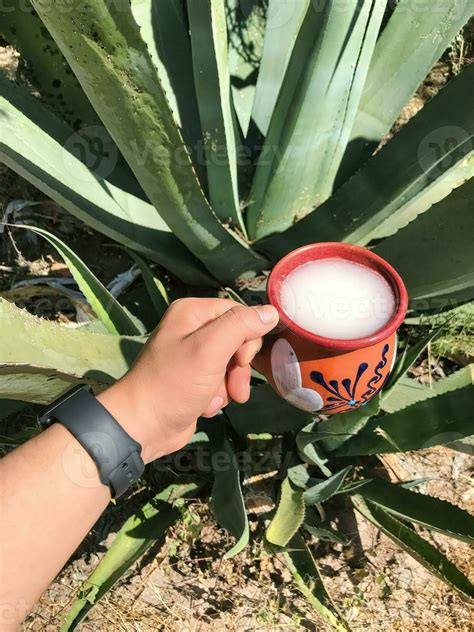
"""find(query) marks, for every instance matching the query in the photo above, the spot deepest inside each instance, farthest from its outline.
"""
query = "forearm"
(50, 497)
(50, 491)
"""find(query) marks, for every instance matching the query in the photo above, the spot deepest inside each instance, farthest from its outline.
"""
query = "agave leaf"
(446, 230)
(38, 146)
(42, 62)
(328, 65)
(155, 288)
(227, 500)
(431, 513)
(115, 67)
(327, 534)
(298, 473)
(284, 20)
(339, 428)
(427, 159)
(164, 28)
(212, 78)
(246, 27)
(302, 565)
(413, 40)
(416, 482)
(50, 358)
(461, 312)
(115, 318)
(408, 391)
(289, 515)
(409, 357)
(265, 412)
(323, 490)
(466, 446)
(424, 552)
(308, 442)
(322, 530)
(42, 66)
(144, 529)
(435, 421)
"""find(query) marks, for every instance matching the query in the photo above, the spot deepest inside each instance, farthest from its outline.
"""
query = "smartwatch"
(116, 454)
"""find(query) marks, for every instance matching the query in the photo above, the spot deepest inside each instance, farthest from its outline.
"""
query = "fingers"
(186, 315)
(221, 338)
(219, 401)
(238, 383)
(246, 353)
(236, 388)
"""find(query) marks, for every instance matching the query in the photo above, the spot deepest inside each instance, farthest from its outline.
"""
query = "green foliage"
(115, 317)
(289, 515)
(411, 43)
(145, 132)
(339, 428)
(265, 412)
(9, 407)
(226, 497)
(328, 65)
(212, 79)
(431, 513)
(40, 147)
(429, 157)
(435, 421)
(409, 540)
(246, 26)
(446, 231)
(323, 531)
(302, 565)
(52, 358)
(410, 356)
(155, 288)
(304, 99)
(144, 529)
(42, 63)
(323, 490)
(280, 37)
(407, 392)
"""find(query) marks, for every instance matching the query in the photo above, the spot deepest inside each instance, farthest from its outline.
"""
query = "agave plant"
(212, 139)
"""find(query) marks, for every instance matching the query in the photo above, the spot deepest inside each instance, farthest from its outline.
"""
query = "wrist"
(128, 410)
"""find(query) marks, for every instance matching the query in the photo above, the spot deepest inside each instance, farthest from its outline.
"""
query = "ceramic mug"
(328, 375)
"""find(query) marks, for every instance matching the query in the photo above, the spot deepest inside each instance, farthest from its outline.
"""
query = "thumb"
(222, 337)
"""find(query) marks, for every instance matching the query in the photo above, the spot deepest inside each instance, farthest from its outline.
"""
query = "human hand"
(196, 361)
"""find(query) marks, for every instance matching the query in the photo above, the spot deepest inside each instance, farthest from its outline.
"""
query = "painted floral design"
(343, 394)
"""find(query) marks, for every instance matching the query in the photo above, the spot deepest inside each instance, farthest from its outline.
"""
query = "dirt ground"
(186, 586)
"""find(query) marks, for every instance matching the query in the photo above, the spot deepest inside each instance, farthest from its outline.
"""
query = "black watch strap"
(116, 454)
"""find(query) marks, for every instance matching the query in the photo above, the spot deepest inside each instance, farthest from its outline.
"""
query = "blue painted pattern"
(343, 394)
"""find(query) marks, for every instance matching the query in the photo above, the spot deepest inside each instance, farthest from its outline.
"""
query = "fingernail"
(215, 405)
(268, 314)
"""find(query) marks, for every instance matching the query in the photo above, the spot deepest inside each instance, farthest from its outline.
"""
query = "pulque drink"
(340, 307)
(337, 299)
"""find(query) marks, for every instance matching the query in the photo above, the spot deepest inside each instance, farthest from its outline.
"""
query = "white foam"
(337, 299)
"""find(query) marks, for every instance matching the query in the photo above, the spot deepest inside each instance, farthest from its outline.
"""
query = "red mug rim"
(348, 252)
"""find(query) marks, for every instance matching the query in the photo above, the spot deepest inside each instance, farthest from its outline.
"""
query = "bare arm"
(50, 491)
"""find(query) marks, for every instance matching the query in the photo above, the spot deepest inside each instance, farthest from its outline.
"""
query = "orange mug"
(329, 375)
